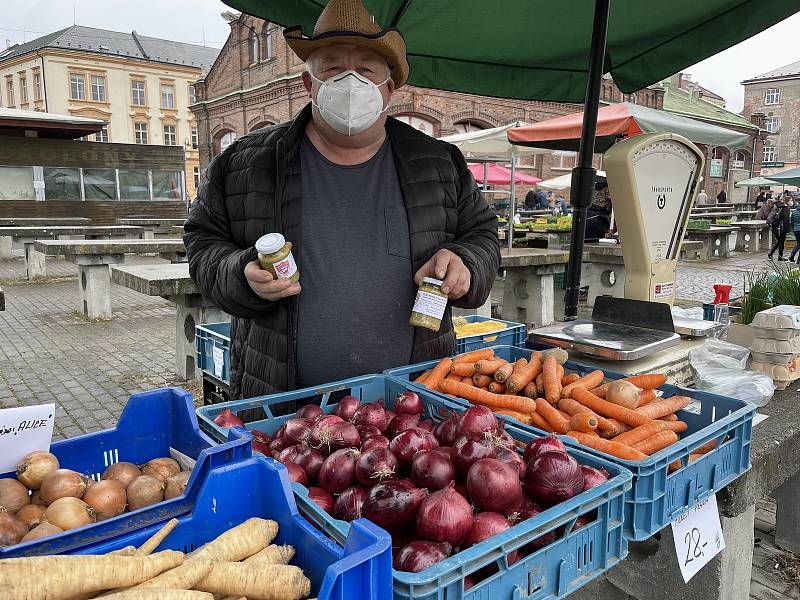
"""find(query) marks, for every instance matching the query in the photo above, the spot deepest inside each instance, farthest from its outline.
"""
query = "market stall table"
(173, 283)
(528, 288)
(93, 260)
(153, 226)
(715, 242)
(753, 236)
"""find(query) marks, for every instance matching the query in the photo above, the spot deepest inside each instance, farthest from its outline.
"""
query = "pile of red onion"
(437, 489)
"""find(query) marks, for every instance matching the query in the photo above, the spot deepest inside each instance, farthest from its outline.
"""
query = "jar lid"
(270, 243)
(436, 282)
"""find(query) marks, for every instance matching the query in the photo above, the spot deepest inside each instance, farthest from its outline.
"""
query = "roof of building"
(115, 43)
(687, 83)
(13, 120)
(680, 101)
(792, 70)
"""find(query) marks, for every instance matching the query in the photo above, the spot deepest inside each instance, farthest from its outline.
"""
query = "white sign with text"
(23, 430)
(698, 537)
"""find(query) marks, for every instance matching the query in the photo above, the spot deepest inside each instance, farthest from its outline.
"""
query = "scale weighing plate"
(695, 327)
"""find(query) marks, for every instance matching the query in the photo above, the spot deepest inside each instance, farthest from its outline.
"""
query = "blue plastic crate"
(574, 559)
(512, 335)
(151, 424)
(658, 497)
(212, 343)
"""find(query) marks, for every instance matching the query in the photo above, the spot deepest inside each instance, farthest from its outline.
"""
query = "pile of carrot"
(625, 418)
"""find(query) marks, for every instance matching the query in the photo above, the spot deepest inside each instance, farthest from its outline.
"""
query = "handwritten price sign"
(698, 537)
(23, 430)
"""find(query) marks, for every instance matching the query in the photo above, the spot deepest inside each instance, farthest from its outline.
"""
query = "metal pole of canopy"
(512, 205)
(485, 175)
(582, 188)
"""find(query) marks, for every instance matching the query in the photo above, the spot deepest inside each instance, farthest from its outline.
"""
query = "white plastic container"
(776, 346)
(782, 375)
(778, 317)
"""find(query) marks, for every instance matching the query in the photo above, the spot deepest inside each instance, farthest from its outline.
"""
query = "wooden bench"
(528, 295)
(93, 260)
(173, 283)
(715, 242)
(153, 226)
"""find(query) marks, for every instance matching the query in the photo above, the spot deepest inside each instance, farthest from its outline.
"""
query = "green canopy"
(755, 182)
(540, 50)
(790, 177)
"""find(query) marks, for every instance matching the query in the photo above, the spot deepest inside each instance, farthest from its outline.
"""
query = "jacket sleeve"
(476, 241)
(216, 262)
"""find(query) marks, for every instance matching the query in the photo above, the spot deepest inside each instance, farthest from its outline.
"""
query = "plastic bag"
(721, 368)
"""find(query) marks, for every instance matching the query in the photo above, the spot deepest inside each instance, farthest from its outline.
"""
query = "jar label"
(285, 268)
(431, 305)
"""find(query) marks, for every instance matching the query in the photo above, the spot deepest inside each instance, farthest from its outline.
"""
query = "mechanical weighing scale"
(652, 180)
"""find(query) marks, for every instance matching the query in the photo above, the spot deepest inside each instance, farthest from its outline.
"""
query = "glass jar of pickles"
(275, 255)
(429, 305)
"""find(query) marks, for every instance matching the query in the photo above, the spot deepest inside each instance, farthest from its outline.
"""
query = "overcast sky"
(198, 20)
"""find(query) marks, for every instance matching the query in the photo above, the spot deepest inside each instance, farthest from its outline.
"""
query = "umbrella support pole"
(583, 175)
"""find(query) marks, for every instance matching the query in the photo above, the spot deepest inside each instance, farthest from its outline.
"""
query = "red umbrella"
(500, 175)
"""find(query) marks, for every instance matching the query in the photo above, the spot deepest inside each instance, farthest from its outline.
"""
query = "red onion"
(447, 431)
(226, 418)
(322, 498)
(366, 431)
(539, 543)
(309, 412)
(287, 454)
(260, 436)
(321, 430)
(347, 407)
(419, 555)
(261, 447)
(407, 443)
(582, 521)
(461, 489)
(547, 443)
(447, 451)
(311, 460)
(401, 423)
(408, 403)
(476, 420)
(493, 485)
(327, 419)
(393, 504)
(444, 516)
(387, 411)
(469, 581)
(511, 458)
(432, 470)
(375, 465)
(427, 425)
(504, 438)
(276, 445)
(484, 526)
(297, 474)
(370, 414)
(468, 450)
(350, 504)
(343, 435)
(593, 477)
(296, 430)
(338, 471)
(374, 441)
(434, 443)
(553, 477)
(524, 509)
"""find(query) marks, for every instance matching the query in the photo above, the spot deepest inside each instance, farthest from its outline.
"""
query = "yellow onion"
(31, 515)
(33, 468)
(62, 483)
(107, 498)
(123, 472)
(12, 530)
(144, 491)
(69, 513)
(163, 468)
(176, 484)
(13, 495)
(43, 529)
(36, 498)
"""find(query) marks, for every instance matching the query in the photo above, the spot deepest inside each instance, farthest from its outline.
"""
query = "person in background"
(530, 200)
(541, 200)
(780, 221)
(598, 215)
(765, 210)
(760, 199)
(562, 203)
(795, 218)
(702, 198)
(722, 197)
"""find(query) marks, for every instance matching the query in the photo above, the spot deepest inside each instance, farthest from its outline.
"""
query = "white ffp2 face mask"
(348, 102)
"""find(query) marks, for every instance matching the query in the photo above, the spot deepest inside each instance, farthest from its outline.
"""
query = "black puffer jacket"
(255, 187)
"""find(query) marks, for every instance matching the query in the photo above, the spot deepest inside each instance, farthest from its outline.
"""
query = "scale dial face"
(664, 171)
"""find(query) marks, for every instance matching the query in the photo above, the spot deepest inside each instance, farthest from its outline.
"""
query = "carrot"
(590, 433)
(523, 375)
(556, 420)
(551, 380)
(669, 417)
(584, 422)
(518, 367)
(664, 407)
(438, 373)
(540, 384)
(502, 373)
(637, 434)
(588, 382)
(529, 391)
(453, 377)
(616, 428)
(646, 397)
(497, 388)
(486, 398)
(463, 369)
(272, 582)
(609, 409)
(649, 381)
(539, 421)
(705, 448)
(481, 380)
(568, 379)
(677, 464)
(521, 417)
(467, 380)
(573, 407)
(152, 542)
(676, 426)
(474, 356)
(423, 377)
(488, 367)
(600, 391)
(656, 442)
(607, 446)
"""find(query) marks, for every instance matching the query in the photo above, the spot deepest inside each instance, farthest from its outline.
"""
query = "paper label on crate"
(429, 304)
(219, 361)
(698, 536)
(23, 430)
(664, 290)
(694, 407)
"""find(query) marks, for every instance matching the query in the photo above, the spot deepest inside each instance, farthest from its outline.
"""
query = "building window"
(267, 33)
(98, 88)
(167, 95)
(769, 154)
(771, 124)
(192, 94)
(467, 126)
(169, 135)
(100, 184)
(23, 89)
(194, 138)
(226, 140)
(62, 184)
(564, 160)
(420, 123)
(134, 185)
(77, 87)
(137, 93)
(10, 91)
(196, 176)
(37, 86)
(16, 183)
(772, 96)
(102, 135)
(140, 132)
(167, 185)
(253, 47)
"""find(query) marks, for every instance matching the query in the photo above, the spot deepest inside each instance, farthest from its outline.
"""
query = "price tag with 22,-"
(698, 537)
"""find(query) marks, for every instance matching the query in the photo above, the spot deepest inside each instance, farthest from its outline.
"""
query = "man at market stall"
(370, 205)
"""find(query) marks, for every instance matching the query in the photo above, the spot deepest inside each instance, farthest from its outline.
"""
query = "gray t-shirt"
(355, 273)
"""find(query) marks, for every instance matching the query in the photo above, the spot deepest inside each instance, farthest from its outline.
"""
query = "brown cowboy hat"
(348, 22)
